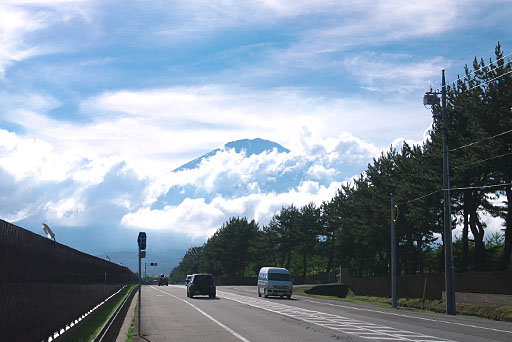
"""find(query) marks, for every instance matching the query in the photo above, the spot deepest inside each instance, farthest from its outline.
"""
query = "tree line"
(353, 228)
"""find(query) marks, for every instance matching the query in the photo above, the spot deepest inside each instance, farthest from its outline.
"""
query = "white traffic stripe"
(409, 316)
(240, 337)
(339, 323)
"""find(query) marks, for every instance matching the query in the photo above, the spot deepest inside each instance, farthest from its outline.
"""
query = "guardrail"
(45, 285)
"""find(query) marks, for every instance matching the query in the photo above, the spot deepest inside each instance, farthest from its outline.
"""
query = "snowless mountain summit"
(249, 146)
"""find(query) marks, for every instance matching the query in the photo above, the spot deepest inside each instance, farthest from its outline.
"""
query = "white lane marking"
(240, 337)
(413, 317)
(343, 324)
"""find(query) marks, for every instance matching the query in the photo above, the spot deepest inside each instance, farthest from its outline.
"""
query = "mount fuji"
(247, 146)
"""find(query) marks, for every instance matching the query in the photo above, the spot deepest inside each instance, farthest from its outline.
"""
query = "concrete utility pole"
(393, 254)
(448, 254)
(431, 99)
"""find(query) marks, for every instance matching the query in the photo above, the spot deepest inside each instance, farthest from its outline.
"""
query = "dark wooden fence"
(411, 286)
(45, 285)
(408, 286)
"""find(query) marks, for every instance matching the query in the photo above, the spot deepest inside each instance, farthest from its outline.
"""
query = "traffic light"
(142, 240)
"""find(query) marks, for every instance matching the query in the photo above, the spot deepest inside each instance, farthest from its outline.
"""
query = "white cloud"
(19, 19)
(155, 131)
(393, 73)
(198, 218)
(31, 158)
(66, 211)
(38, 160)
(14, 24)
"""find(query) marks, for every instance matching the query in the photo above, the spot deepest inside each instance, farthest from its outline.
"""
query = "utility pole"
(393, 254)
(448, 254)
(431, 99)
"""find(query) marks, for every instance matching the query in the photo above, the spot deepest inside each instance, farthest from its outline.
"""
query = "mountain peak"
(255, 146)
(249, 146)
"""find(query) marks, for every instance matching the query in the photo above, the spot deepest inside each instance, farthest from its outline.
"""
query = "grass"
(129, 334)
(88, 330)
(494, 312)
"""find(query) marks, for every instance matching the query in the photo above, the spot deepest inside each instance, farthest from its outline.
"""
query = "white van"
(275, 281)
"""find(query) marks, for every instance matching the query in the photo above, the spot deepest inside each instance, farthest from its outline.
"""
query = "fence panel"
(45, 285)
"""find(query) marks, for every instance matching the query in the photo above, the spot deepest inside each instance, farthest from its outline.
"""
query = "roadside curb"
(123, 332)
(110, 329)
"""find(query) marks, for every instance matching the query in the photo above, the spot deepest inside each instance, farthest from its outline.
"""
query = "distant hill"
(166, 260)
(250, 147)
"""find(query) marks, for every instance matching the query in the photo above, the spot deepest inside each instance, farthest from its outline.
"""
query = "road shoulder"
(123, 333)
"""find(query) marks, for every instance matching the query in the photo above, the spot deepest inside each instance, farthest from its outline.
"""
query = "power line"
(482, 187)
(473, 71)
(451, 189)
(475, 77)
(421, 197)
(479, 141)
(481, 161)
(483, 83)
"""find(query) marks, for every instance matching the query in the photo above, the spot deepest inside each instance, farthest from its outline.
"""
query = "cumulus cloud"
(197, 201)
(199, 218)
(139, 133)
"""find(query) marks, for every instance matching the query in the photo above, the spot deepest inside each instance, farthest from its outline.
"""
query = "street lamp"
(48, 232)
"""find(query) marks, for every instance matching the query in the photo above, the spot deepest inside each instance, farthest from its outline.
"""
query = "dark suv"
(201, 284)
(163, 280)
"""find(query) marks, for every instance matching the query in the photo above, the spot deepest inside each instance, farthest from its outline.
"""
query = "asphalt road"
(238, 314)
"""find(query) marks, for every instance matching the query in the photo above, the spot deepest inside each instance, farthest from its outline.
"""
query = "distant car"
(201, 284)
(189, 276)
(155, 281)
(163, 280)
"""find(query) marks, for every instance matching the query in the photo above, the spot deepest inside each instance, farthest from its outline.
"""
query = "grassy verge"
(91, 328)
(494, 312)
(129, 334)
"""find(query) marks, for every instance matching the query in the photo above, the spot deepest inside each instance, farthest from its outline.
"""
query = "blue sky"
(101, 100)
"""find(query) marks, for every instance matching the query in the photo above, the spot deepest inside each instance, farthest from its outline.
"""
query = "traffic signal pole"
(141, 240)
(140, 285)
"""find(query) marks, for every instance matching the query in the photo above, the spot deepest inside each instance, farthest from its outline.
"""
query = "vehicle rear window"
(203, 279)
(279, 276)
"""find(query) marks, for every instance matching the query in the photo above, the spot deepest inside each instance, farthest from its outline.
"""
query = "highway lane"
(168, 315)
(238, 314)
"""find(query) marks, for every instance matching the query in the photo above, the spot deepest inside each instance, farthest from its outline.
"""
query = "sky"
(101, 100)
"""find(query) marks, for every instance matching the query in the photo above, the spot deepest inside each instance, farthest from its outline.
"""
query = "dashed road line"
(346, 325)
(409, 316)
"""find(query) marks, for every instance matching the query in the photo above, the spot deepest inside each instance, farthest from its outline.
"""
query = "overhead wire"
(488, 81)
(474, 71)
(475, 77)
(453, 189)
(473, 143)
(481, 161)
(418, 198)
(479, 141)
